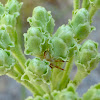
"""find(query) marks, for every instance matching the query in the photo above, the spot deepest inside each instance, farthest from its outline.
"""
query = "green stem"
(19, 56)
(33, 88)
(45, 88)
(56, 75)
(19, 68)
(80, 75)
(23, 92)
(92, 13)
(65, 77)
(53, 80)
(76, 4)
(86, 4)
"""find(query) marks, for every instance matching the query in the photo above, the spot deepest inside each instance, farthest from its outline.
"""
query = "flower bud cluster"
(36, 39)
(37, 70)
(62, 43)
(8, 15)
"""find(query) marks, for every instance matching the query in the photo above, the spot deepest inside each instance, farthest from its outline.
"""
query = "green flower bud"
(43, 19)
(66, 94)
(88, 56)
(8, 19)
(95, 3)
(5, 40)
(35, 42)
(62, 43)
(66, 34)
(58, 48)
(81, 24)
(6, 61)
(81, 16)
(93, 93)
(13, 6)
(38, 70)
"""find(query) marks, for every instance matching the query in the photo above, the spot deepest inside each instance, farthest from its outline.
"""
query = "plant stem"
(80, 75)
(45, 88)
(86, 4)
(92, 13)
(19, 68)
(54, 82)
(23, 92)
(76, 4)
(65, 77)
(18, 54)
(33, 88)
(56, 76)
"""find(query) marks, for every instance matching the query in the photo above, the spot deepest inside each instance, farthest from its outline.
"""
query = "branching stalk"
(79, 77)
(36, 90)
(65, 78)
(92, 12)
(86, 4)
(76, 4)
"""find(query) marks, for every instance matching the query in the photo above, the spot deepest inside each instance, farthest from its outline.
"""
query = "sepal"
(8, 20)
(13, 6)
(6, 61)
(5, 39)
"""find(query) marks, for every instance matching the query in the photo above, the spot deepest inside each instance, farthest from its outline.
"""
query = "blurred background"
(61, 11)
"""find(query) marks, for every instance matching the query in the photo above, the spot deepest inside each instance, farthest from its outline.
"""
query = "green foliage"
(47, 76)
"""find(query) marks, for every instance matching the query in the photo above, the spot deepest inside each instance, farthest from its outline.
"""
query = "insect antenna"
(55, 66)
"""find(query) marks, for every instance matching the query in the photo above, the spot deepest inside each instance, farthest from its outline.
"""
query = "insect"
(47, 55)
